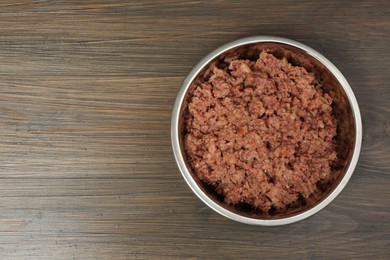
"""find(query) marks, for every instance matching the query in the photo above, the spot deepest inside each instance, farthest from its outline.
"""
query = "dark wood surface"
(86, 165)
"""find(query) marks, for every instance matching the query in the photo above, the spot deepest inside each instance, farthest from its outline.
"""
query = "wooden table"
(86, 165)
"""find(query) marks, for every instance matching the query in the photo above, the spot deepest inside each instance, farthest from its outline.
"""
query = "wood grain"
(86, 166)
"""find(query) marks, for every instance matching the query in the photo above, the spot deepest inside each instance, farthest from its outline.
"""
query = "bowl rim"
(176, 141)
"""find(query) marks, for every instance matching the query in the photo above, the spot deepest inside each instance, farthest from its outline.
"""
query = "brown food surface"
(260, 132)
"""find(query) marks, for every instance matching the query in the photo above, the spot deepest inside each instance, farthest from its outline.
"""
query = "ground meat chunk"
(260, 132)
